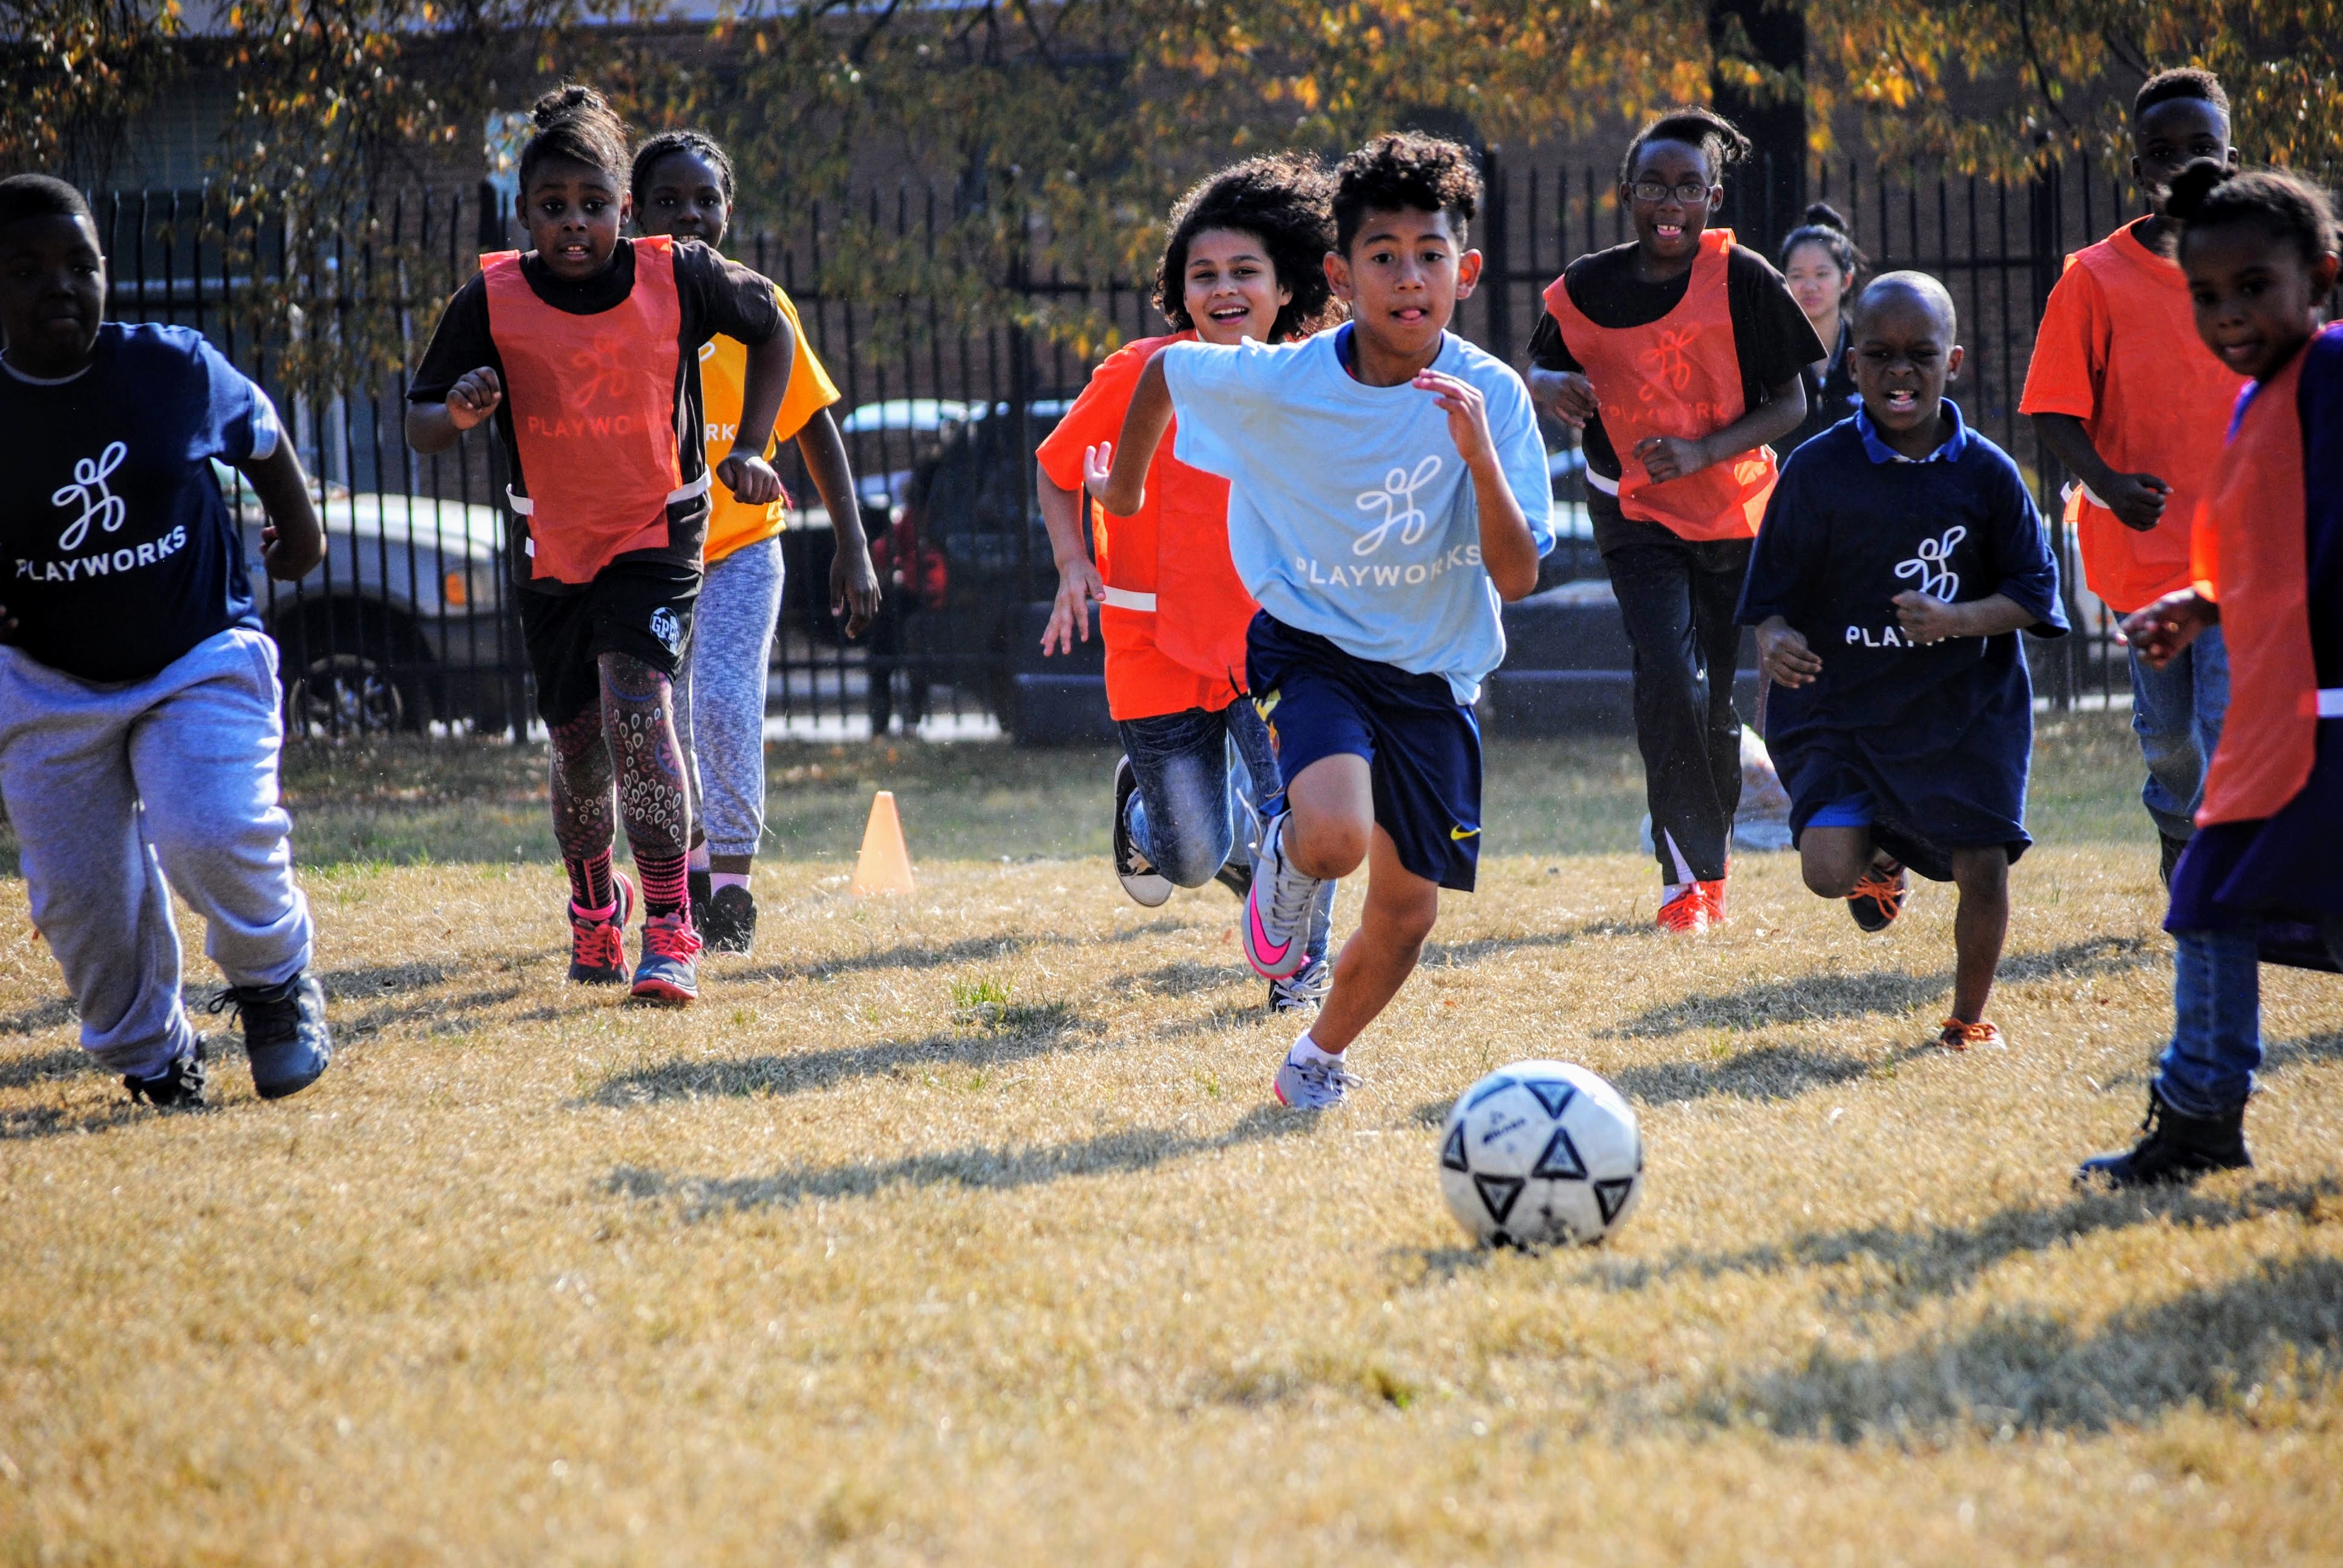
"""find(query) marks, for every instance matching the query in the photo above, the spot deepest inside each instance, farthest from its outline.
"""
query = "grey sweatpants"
(719, 695)
(112, 789)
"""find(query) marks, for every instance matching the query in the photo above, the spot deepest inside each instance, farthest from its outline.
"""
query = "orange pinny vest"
(1678, 376)
(590, 400)
(2252, 558)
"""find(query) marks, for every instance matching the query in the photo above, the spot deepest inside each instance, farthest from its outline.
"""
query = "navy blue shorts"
(1423, 747)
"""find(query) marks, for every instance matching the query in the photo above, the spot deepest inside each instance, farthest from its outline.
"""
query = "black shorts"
(642, 609)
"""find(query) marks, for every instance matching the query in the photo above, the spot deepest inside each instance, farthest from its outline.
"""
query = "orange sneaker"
(1878, 896)
(1960, 1036)
(1687, 911)
(1713, 893)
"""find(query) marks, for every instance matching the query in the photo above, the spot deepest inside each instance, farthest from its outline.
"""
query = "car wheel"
(351, 674)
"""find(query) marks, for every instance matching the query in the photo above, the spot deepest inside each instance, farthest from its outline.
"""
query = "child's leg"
(1179, 817)
(98, 895)
(1721, 567)
(584, 807)
(1394, 921)
(1255, 779)
(205, 759)
(1833, 859)
(719, 710)
(1979, 927)
(2208, 1070)
(654, 796)
(2164, 721)
(1652, 574)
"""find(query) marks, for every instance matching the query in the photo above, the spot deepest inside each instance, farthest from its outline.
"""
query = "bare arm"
(433, 428)
(1509, 551)
(1783, 654)
(853, 581)
(1674, 457)
(1079, 583)
(2136, 499)
(744, 470)
(1116, 471)
(292, 541)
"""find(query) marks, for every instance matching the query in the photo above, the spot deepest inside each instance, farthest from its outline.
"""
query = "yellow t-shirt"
(723, 381)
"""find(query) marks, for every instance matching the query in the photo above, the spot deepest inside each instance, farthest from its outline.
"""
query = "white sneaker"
(1312, 1085)
(1277, 909)
(1147, 886)
(1304, 990)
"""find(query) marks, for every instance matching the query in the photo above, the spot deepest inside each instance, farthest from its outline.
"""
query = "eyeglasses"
(1691, 193)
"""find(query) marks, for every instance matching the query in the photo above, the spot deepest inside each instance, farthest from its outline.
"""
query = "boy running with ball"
(1379, 563)
(1900, 556)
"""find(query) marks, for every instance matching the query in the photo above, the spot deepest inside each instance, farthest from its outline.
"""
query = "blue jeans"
(2177, 713)
(2216, 1028)
(1202, 778)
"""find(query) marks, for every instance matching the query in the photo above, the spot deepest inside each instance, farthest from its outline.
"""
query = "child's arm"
(2136, 499)
(1567, 395)
(433, 428)
(853, 581)
(1079, 586)
(1784, 653)
(1927, 618)
(1116, 471)
(1509, 550)
(744, 470)
(292, 540)
(1674, 457)
(2159, 631)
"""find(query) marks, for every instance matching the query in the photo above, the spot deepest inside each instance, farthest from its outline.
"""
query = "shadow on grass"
(1765, 1073)
(980, 1167)
(2030, 1372)
(1184, 977)
(1020, 1035)
(24, 1071)
(50, 1120)
(1943, 1260)
(1817, 998)
(1476, 950)
(2298, 1052)
(44, 1015)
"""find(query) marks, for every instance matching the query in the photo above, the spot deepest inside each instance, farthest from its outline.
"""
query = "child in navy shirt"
(139, 724)
(1900, 555)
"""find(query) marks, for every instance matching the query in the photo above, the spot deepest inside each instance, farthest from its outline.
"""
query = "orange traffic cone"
(884, 865)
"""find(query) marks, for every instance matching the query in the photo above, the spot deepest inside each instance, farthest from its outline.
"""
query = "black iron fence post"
(1496, 245)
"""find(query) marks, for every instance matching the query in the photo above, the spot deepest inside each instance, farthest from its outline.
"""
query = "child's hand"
(1566, 394)
(1467, 411)
(1078, 587)
(2159, 632)
(853, 587)
(1927, 618)
(1097, 468)
(749, 478)
(473, 397)
(1672, 456)
(2138, 500)
(1784, 655)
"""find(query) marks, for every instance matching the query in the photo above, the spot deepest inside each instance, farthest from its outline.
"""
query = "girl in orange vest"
(1678, 357)
(2263, 875)
(586, 350)
(1244, 260)
(683, 189)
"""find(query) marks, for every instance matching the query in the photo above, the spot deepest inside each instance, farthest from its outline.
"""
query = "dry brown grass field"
(961, 1227)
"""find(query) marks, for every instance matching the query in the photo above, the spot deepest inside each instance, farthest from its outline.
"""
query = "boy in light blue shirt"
(1387, 491)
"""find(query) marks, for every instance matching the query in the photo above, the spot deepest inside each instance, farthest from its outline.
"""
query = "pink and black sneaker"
(598, 937)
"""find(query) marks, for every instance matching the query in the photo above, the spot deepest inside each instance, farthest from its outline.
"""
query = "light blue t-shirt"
(1350, 513)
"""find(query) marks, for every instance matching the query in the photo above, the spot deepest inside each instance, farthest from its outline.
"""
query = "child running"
(2121, 394)
(587, 350)
(683, 189)
(1387, 488)
(2267, 860)
(139, 712)
(1245, 260)
(1900, 556)
(1679, 356)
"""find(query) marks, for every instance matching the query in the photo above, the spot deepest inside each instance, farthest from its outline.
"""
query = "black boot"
(284, 1034)
(178, 1086)
(2178, 1149)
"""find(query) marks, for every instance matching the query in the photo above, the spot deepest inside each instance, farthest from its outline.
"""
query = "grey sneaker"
(1303, 990)
(1312, 1085)
(1148, 888)
(178, 1086)
(1277, 908)
(669, 970)
(285, 1032)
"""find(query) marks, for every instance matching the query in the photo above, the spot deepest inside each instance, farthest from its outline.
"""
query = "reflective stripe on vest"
(1124, 598)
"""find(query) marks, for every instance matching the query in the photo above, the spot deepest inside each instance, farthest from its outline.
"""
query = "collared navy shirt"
(1948, 451)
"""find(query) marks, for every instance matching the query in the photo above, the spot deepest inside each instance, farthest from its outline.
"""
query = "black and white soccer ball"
(1541, 1154)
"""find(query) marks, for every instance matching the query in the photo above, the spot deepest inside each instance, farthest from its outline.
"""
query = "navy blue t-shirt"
(118, 551)
(1937, 736)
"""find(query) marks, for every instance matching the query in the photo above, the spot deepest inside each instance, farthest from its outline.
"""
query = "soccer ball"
(1540, 1153)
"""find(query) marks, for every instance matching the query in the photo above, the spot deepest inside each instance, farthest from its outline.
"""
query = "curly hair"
(699, 143)
(576, 125)
(1720, 141)
(1405, 171)
(2185, 83)
(2210, 194)
(1283, 201)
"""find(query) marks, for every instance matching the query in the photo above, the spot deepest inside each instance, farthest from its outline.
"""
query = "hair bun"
(569, 98)
(2192, 185)
(1822, 214)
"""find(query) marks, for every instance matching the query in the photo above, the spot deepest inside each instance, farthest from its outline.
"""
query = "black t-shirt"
(1771, 336)
(718, 299)
(1831, 394)
(117, 553)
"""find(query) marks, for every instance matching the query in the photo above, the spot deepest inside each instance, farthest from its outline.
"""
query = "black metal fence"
(409, 625)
